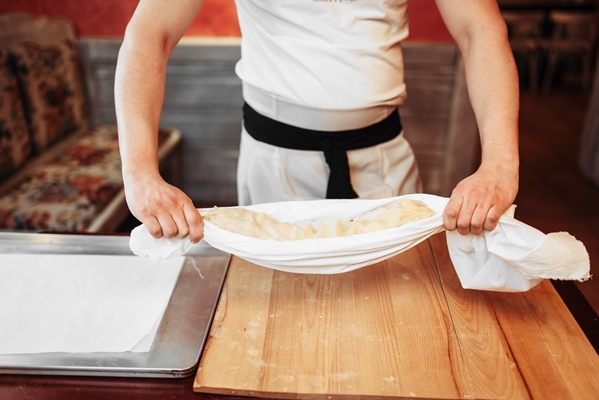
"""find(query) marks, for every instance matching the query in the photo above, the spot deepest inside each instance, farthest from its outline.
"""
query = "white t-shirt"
(324, 54)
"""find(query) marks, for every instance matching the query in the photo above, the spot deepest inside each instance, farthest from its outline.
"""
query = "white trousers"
(267, 173)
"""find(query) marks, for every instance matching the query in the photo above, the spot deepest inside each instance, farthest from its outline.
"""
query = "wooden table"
(400, 328)
(403, 328)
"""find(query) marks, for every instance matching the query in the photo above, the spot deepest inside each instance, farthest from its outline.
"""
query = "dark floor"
(554, 195)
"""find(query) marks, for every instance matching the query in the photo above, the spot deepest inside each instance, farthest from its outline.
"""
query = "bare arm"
(479, 200)
(153, 32)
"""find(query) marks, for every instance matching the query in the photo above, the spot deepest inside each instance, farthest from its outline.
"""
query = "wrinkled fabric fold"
(514, 257)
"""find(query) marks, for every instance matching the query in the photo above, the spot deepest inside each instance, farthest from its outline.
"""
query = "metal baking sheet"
(183, 329)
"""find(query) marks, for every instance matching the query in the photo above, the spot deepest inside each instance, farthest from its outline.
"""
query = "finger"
(492, 219)
(181, 221)
(465, 218)
(478, 220)
(451, 212)
(153, 227)
(195, 222)
(169, 228)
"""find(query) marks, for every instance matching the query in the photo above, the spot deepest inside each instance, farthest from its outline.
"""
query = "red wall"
(216, 17)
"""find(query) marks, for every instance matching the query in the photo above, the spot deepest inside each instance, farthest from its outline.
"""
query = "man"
(314, 74)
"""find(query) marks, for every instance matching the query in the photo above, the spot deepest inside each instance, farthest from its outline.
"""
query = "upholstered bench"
(56, 172)
(76, 186)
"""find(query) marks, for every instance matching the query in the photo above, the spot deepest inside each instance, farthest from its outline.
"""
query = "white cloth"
(322, 55)
(267, 173)
(513, 257)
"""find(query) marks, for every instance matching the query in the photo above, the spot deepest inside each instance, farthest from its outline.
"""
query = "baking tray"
(183, 328)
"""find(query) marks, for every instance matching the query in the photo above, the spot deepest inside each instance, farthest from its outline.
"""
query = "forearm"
(139, 92)
(151, 35)
(492, 81)
(491, 75)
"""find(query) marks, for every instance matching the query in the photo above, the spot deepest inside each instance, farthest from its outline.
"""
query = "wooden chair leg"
(550, 71)
(533, 74)
(586, 71)
(175, 169)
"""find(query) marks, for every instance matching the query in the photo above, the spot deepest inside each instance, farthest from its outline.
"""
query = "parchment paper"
(82, 303)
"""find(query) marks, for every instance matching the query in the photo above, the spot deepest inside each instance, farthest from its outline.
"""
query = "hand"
(164, 209)
(478, 201)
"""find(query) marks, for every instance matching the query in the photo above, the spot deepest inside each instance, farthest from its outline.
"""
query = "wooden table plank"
(490, 364)
(239, 327)
(381, 331)
(519, 345)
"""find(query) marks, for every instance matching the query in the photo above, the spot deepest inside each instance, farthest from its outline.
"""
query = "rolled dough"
(262, 226)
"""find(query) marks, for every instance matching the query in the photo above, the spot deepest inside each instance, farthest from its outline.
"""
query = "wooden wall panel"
(203, 100)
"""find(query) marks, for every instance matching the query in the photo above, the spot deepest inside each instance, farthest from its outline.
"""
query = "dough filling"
(262, 226)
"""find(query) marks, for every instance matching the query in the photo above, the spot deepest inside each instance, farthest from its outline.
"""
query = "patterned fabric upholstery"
(51, 82)
(68, 191)
(56, 173)
(14, 135)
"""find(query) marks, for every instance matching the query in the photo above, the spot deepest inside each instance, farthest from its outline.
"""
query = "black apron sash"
(333, 144)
